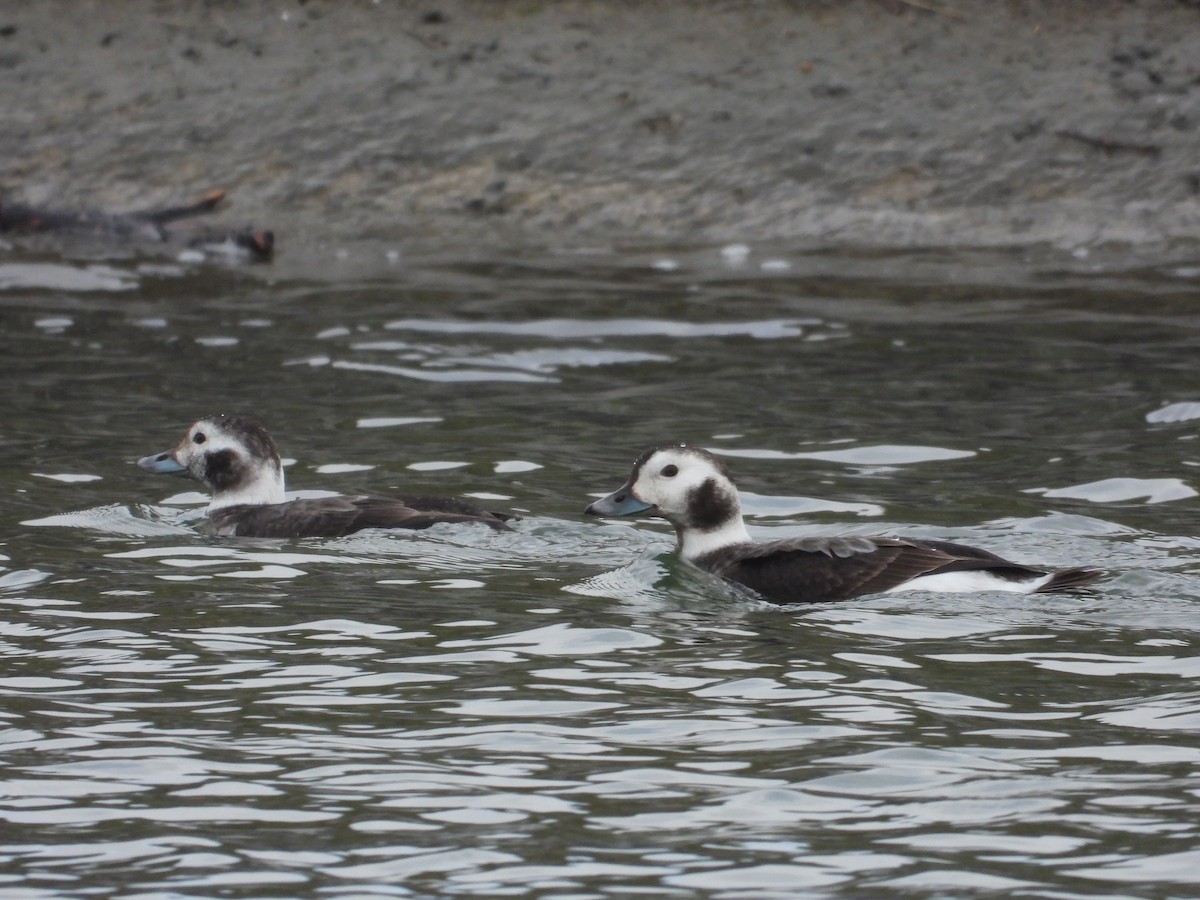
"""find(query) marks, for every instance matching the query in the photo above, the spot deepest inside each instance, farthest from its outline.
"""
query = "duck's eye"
(670, 471)
(199, 437)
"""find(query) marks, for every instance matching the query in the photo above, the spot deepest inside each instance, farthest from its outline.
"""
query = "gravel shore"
(870, 122)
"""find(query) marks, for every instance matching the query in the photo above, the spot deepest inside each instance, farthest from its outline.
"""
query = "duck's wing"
(451, 506)
(337, 516)
(812, 570)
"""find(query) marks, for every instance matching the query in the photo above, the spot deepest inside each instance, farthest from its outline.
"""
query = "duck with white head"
(694, 491)
(237, 459)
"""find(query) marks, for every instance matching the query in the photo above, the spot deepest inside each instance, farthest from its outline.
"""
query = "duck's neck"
(266, 487)
(694, 542)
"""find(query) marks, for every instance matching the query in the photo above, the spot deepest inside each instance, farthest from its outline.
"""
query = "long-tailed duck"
(238, 460)
(693, 490)
(146, 226)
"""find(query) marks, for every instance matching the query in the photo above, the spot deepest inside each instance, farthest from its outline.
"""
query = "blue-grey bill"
(161, 464)
(620, 502)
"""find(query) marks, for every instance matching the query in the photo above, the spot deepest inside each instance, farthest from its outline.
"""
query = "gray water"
(565, 711)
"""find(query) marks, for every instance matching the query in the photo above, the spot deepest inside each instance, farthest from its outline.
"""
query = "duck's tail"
(205, 204)
(1070, 579)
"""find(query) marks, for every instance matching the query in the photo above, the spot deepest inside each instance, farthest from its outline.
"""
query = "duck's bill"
(620, 502)
(161, 464)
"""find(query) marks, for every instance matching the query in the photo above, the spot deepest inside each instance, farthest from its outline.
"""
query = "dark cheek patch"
(219, 470)
(708, 506)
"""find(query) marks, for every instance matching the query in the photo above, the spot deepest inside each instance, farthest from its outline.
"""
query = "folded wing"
(814, 570)
(337, 516)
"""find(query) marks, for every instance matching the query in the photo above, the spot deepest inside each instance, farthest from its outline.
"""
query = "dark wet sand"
(878, 122)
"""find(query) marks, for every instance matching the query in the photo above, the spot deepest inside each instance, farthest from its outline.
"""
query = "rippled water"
(565, 711)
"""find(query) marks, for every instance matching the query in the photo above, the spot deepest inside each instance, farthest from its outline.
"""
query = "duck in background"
(237, 459)
(145, 226)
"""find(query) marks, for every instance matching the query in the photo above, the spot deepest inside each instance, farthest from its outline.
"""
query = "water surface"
(565, 710)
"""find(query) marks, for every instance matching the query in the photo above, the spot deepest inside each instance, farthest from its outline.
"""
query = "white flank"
(970, 583)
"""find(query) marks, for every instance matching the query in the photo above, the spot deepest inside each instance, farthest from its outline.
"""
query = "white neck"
(263, 489)
(694, 543)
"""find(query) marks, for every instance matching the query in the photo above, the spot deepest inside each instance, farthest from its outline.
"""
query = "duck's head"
(687, 486)
(233, 455)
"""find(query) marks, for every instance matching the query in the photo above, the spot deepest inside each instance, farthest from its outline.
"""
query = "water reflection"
(58, 277)
(577, 328)
(1113, 490)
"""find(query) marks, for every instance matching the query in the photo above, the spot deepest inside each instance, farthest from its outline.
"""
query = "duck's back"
(337, 516)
